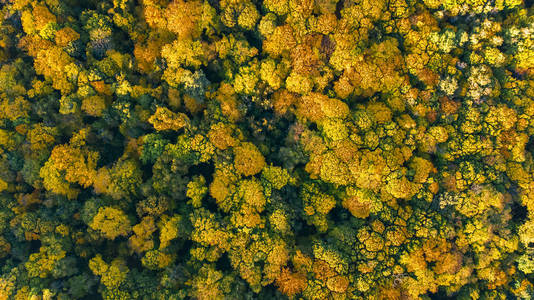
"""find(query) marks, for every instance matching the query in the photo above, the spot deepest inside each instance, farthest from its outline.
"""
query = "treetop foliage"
(275, 149)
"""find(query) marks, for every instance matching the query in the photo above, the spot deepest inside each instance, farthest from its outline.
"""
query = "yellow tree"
(111, 275)
(66, 165)
(57, 65)
(111, 222)
(188, 18)
(164, 119)
(248, 159)
(94, 105)
(142, 241)
(169, 229)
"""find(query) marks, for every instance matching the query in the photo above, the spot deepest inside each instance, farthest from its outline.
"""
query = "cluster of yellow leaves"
(209, 232)
(248, 159)
(113, 274)
(41, 137)
(111, 222)
(66, 165)
(242, 13)
(94, 105)
(375, 71)
(41, 264)
(448, 269)
(188, 19)
(317, 205)
(207, 285)
(291, 283)
(141, 240)
(252, 204)
(169, 229)
(184, 52)
(196, 190)
(220, 135)
(223, 187)
(57, 65)
(14, 109)
(156, 259)
(164, 119)
(459, 7)
(315, 107)
(227, 98)
(36, 19)
(66, 35)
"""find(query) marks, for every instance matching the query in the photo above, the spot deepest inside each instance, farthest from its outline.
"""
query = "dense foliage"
(239, 149)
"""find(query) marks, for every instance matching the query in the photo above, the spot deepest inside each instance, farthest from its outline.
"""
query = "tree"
(189, 19)
(153, 147)
(248, 160)
(66, 165)
(184, 53)
(142, 241)
(156, 259)
(111, 222)
(197, 190)
(122, 180)
(291, 283)
(56, 65)
(164, 119)
(94, 105)
(170, 229)
(111, 275)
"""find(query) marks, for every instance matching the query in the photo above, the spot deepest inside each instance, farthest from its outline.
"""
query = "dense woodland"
(275, 149)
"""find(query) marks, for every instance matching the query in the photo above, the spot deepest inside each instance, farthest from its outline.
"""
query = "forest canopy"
(275, 149)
